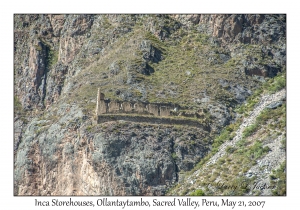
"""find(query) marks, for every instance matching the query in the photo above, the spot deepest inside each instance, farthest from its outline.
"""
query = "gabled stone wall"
(165, 111)
(127, 107)
(153, 109)
(114, 107)
(156, 109)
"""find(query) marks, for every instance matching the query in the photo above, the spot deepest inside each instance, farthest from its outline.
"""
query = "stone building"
(103, 107)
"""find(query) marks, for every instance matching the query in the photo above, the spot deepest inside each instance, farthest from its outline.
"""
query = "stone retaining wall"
(151, 120)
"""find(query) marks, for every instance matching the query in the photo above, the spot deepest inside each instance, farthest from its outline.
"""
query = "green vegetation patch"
(198, 192)
(278, 179)
(250, 130)
(17, 105)
(52, 57)
(269, 87)
(275, 84)
(19, 111)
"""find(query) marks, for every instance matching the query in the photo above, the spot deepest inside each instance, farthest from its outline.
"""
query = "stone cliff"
(200, 66)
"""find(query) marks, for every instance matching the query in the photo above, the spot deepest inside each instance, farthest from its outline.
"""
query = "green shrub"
(250, 130)
(263, 117)
(221, 161)
(18, 109)
(257, 150)
(283, 144)
(230, 149)
(242, 143)
(17, 104)
(243, 184)
(52, 57)
(276, 83)
(174, 156)
(198, 192)
(278, 179)
(224, 136)
(89, 128)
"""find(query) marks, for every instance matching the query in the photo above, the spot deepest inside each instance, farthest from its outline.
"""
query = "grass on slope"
(190, 69)
(278, 178)
(231, 168)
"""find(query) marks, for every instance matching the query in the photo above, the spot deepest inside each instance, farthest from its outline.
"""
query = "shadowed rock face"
(45, 45)
(58, 147)
(266, 71)
(238, 27)
(48, 48)
(150, 53)
(114, 158)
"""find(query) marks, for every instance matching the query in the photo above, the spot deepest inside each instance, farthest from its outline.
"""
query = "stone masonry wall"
(153, 109)
(126, 107)
(152, 120)
(104, 106)
(164, 111)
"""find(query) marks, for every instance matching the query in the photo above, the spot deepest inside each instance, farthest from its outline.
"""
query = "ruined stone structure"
(153, 108)
(104, 106)
(101, 106)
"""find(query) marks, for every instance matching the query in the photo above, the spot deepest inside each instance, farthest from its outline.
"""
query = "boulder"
(274, 105)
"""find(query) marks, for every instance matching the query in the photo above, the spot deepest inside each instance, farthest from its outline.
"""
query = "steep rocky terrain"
(207, 64)
(242, 165)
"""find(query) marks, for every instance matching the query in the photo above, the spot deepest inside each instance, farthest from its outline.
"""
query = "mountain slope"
(206, 64)
(242, 165)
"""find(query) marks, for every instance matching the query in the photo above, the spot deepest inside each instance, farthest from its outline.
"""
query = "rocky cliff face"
(204, 63)
(73, 157)
(254, 156)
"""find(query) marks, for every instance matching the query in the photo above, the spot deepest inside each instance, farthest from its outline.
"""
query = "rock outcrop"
(71, 157)
(205, 64)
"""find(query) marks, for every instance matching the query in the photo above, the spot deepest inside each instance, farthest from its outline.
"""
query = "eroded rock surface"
(61, 60)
